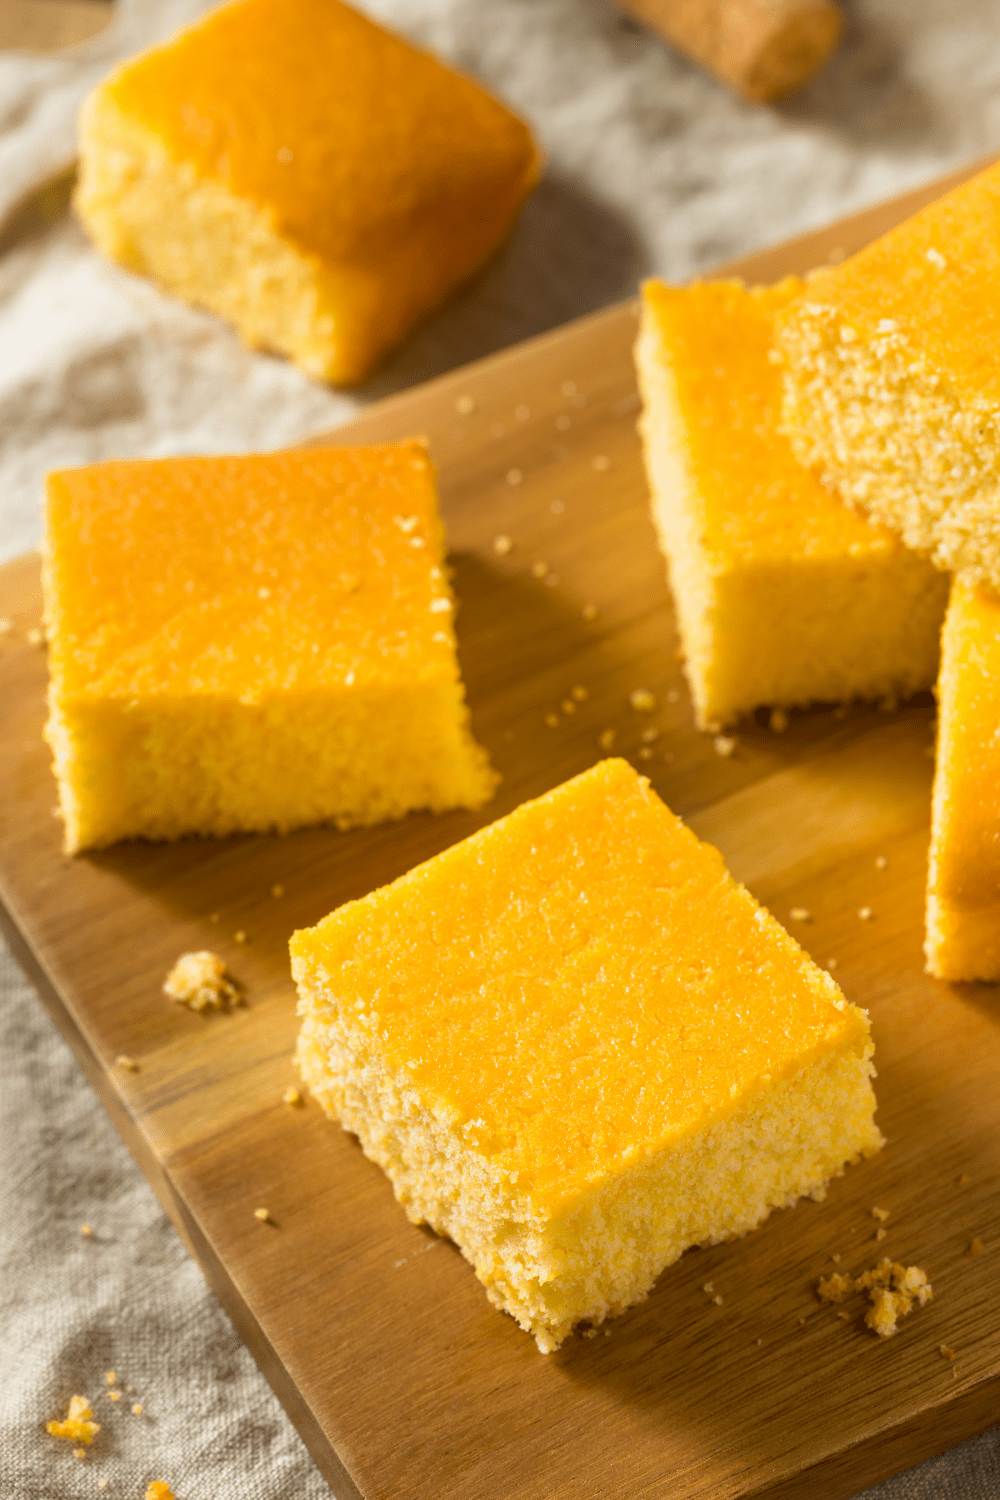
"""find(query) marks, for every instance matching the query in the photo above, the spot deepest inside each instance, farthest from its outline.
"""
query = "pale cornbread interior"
(252, 643)
(963, 881)
(782, 595)
(304, 173)
(892, 386)
(584, 1049)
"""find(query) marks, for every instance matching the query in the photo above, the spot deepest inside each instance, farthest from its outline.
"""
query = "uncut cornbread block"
(893, 385)
(576, 1046)
(307, 175)
(782, 595)
(963, 886)
(252, 643)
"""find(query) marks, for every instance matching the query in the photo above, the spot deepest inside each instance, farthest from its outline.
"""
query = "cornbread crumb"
(946, 1353)
(102, 1484)
(580, 693)
(110, 1377)
(277, 891)
(835, 1259)
(86, 1231)
(800, 914)
(881, 1214)
(514, 476)
(880, 1233)
(777, 721)
(292, 1095)
(239, 937)
(36, 636)
(539, 569)
(502, 545)
(880, 861)
(113, 1395)
(465, 406)
(79, 1453)
(568, 706)
(865, 913)
(964, 1180)
(976, 1248)
(589, 611)
(552, 721)
(199, 981)
(717, 1300)
(6, 626)
(831, 963)
(78, 1425)
(724, 745)
(606, 739)
(708, 1287)
(159, 1490)
(642, 700)
(645, 753)
(893, 1290)
(262, 1214)
(649, 735)
(127, 1063)
(137, 1408)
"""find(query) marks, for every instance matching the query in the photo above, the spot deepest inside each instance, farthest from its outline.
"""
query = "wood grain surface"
(404, 1382)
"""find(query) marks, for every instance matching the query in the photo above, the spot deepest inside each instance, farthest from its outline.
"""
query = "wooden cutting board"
(402, 1379)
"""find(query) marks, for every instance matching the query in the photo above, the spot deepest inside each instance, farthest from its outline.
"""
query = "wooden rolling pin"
(762, 48)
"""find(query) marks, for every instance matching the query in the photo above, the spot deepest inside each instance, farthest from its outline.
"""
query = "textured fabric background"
(653, 167)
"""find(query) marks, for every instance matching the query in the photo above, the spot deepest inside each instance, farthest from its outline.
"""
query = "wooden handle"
(763, 48)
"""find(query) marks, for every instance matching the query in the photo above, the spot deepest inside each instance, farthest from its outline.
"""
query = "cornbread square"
(307, 175)
(963, 885)
(576, 1046)
(893, 385)
(252, 643)
(782, 595)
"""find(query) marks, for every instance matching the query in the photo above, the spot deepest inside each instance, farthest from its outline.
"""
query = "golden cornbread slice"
(307, 175)
(782, 595)
(258, 642)
(893, 385)
(577, 1047)
(963, 884)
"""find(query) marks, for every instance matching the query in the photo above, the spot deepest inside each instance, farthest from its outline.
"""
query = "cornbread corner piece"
(577, 1047)
(261, 642)
(963, 883)
(782, 595)
(892, 381)
(312, 178)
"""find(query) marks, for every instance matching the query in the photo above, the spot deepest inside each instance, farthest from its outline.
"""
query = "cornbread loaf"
(246, 643)
(963, 886)
(307, 175)
(577, 1046)
(893, 385)
(782, 595)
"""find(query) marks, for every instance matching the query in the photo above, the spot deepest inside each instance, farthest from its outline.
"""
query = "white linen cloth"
(653, 168)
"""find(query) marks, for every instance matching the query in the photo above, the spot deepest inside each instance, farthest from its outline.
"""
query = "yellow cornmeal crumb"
(113, 1395)
(642, 700)
(292, 1095)
(127, 1063)
(199, 981)
(78, 1425)
(964, 1180)
(880, 1234)
(606, 739)
(976, 1248)
(881, 1214)
(159, 1489)
(110, 1377)
(86, 1231)
(137, 1409)
(948, 1354)
(262, 1214)
(893, 1290)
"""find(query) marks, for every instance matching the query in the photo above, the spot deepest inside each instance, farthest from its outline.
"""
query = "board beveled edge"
(175, 1206)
